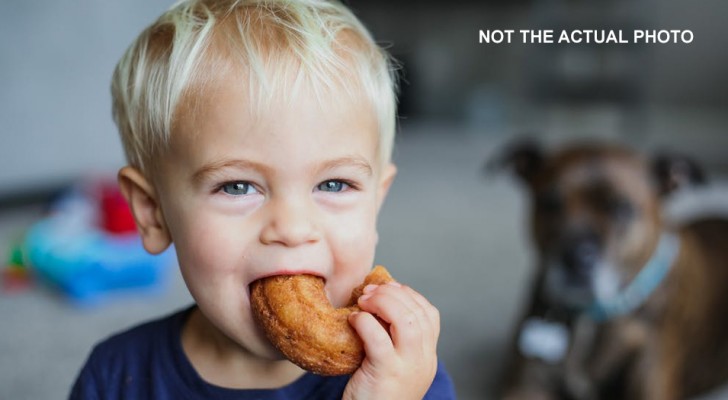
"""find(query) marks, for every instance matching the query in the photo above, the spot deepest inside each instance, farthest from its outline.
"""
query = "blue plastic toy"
(69, 251)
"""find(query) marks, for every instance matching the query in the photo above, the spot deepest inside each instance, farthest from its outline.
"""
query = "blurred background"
(447, 229)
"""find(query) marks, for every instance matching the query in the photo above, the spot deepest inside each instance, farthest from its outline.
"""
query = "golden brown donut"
(299, 320)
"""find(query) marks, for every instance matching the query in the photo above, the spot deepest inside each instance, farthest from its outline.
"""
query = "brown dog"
(622, 307)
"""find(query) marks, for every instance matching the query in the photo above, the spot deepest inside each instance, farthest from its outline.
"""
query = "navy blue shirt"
(147, 362)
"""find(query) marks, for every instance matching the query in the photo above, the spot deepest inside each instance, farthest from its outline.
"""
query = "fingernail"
(370, 288)
(394, 283)
(364, 297)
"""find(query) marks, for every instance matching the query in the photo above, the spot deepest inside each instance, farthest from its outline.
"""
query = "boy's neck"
(221, 362)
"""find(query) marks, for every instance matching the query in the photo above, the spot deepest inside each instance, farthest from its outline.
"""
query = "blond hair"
(281, 44)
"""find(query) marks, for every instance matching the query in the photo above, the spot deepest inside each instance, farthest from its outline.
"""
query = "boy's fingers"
(433, 314)
(410, 327)
(377, 343)
(424, 308)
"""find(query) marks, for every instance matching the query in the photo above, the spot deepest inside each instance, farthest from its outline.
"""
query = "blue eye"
(332, 186)
(238, 188)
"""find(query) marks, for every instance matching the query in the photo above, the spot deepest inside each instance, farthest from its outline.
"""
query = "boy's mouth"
(289, 272)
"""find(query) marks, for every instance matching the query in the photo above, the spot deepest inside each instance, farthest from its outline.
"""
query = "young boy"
(259, 135)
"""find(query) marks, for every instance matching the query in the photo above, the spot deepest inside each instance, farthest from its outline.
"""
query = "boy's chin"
(264, 348)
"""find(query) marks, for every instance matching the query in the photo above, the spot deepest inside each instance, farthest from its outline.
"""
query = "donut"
(299, 320)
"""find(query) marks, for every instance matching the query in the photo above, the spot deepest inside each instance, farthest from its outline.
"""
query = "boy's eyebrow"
(355, 161)
(208, 169)
(213, 167)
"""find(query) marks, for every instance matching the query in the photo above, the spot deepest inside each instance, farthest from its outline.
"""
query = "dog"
(622, 306)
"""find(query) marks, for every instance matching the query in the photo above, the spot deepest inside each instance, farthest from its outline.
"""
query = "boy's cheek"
(204, 246)
(356, 235)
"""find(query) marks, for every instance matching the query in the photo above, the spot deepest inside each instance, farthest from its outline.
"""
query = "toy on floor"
(16, 276)
(88, 247)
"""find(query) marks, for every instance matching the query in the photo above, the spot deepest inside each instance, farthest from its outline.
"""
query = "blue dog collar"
(642, 286)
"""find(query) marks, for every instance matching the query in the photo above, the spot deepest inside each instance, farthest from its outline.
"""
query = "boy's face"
(296, 190)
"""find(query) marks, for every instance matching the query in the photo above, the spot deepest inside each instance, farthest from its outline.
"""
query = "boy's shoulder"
(147, 335)
(143, 346)
(133, 362)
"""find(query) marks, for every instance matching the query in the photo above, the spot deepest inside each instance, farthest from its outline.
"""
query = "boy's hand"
(401, 363)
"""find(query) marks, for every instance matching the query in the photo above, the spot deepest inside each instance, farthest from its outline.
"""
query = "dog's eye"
(619, 208)
(549, 203)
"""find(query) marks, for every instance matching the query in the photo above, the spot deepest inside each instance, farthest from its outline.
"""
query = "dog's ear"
(523, 157)
(674, 171)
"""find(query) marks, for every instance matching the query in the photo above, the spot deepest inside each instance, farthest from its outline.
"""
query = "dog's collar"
(642, 286)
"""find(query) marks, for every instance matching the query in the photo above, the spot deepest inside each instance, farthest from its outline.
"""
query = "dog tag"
(543, 340)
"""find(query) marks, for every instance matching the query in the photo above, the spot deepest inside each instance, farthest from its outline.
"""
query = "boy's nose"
(290, 224)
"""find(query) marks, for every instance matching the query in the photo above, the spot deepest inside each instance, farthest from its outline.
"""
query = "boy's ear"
(142, 199)
(385, 182)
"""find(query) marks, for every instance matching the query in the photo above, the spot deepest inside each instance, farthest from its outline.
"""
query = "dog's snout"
(581, 256)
